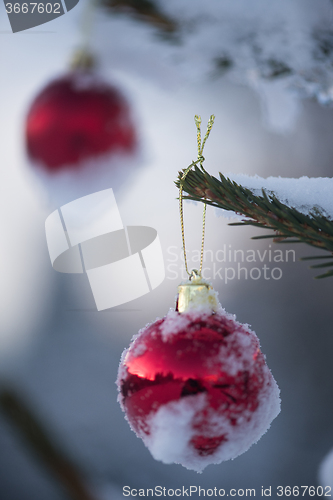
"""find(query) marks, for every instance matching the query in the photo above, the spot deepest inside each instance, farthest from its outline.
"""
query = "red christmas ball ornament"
(194, 385)
(80, 127)
(77, 117)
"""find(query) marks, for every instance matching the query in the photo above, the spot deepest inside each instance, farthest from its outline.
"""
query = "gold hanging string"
(200, 160)
(82, 57)
(87, 24)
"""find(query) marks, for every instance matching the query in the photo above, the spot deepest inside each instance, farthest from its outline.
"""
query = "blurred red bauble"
(195, 387)
(75, 118)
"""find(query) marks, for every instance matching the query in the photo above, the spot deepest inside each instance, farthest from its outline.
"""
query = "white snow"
(174, 323)
(256, 43)
(171, 429)
(138, 349)
(110, 170)
(237, 354)
(306, 194)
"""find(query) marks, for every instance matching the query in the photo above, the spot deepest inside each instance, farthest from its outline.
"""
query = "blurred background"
(264, 69)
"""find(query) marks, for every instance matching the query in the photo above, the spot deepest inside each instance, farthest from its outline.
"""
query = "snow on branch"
(283, 49)
(297, 210)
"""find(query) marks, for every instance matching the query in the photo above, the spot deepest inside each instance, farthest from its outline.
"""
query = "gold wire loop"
(195, 274)
(200, 160)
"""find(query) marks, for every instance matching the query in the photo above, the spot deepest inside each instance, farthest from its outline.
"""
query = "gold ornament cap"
(196, 293)
(82, 60)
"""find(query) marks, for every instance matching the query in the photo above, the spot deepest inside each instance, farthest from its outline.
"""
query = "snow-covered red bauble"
(195, 386)
(79, 128)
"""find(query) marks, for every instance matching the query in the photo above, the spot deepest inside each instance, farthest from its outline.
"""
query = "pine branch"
(43, 445)
(265, 211)
(143, 10)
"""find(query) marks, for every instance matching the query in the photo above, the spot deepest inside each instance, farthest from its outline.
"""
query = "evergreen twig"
(41, 442)
(264, 211)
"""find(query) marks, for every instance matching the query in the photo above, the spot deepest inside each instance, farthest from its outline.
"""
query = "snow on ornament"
(194, 385)
(80, 133)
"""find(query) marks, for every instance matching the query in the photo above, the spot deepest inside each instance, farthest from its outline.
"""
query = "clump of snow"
(307, 194)
(174, 323)
(236, 354)
(83, 80)
(94, 174)
(280, 48)
(171, 429)
(138, 349)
